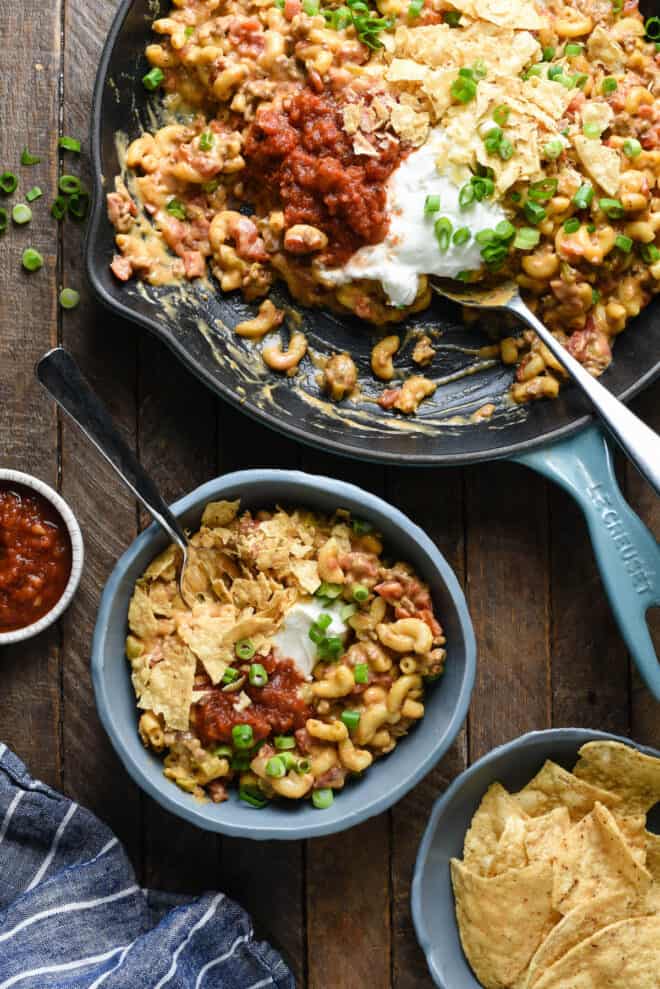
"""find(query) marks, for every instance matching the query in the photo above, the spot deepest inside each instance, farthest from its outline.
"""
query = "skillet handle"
(627, 553)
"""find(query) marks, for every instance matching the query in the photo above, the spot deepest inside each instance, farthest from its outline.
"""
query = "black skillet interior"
(196, 325)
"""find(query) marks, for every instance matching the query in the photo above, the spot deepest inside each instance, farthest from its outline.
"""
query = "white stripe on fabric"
(10, 813)
(65, 967)
(218, 961)
(106, 848)
(67, 908)
(43, 869)
(120, 962)
(264, 982)
(200, 923)
(3, 749)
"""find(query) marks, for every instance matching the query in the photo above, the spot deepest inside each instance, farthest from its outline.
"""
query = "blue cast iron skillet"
(553, 437)
(513, 765)
(446, 701)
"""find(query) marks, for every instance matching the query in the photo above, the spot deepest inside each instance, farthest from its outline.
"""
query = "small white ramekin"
(77, 555)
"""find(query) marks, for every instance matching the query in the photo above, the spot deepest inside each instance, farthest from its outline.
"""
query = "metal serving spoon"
(640, 443)
(61, 377)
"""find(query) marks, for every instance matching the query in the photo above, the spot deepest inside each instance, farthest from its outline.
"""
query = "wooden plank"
(507, 568)
(645, 726)
(267, 878)
(28, 326)
(348, 888)
(434, 500)
(177, 425)
(106, 350)
(589, 660)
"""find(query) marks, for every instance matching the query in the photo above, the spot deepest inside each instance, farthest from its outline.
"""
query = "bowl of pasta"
(317, 662)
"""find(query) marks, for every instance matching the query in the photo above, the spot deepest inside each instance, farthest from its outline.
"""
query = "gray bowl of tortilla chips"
(540, 868)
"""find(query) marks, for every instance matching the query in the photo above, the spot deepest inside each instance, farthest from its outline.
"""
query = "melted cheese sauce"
(410, 248)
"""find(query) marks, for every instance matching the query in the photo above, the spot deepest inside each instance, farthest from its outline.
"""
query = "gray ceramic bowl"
(391, 777)
(513, 765)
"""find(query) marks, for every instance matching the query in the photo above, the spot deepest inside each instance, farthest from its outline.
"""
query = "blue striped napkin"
(73, 916)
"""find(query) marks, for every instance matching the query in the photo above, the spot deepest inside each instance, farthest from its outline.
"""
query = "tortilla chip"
(510, 851)
(554, 786)
(625, 771)
(578, 925)
(306, 573)
(502, 920)
(518, 14)
(167, 687)
(164, 565)
(141, 618)
(487, 827)
(604, 49)
(543, 835)
(634, 831)
(594, 860)
(220, 513)
(602, 163)
(205, 634)
(653, 865)
(625, 954)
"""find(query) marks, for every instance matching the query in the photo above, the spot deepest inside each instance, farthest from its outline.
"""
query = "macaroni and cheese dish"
(298, 656)
(355, 151)
(559, 885)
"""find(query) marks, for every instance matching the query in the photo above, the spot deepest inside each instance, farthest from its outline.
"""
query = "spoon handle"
(639, 442)
(61, 377)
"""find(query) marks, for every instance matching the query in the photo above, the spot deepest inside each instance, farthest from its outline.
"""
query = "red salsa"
(305, 159)
(35, 556)
(276, 708)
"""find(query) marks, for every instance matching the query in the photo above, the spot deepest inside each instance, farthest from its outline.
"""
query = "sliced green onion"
(494, 254)
(190, 30)
(69, 144)
(351, 719)
(360, 593)
(242, 736)
(479, 69)
(609, 85)
(77, 205)
(591, 228)
(316, 634)
(361, 673)
(415, 8)
(483, 186)
(4, 220)
(241, 761)
(347, 611)
(650, 253)
(223, 752)
(258, 676)
(579, 80)
(327, 590)
(534, 212)
(361, 527)
(153, 79)
(29, 159)
(323, 798)
(466, 195)
(69, 185)
(324, 621)
(206, 140)
(573, 49)
(485, 236)
(69, 298)
(58, 209)
(652, 28)
(493, 139)
(275, 767)
(549, 53)
(21, 214)
(501, 114)
(451, 17)
(464, 89)
(443, 229)
(632, 148)
(592, 130)
(331, 647)
(572, 225)
(553, 148)
(210, 187)
(303, 766)
(612, 208)
(252, 796)
(583, 196)
(461, 236)
(176, 208)
(32, 260)
(624, 243)
(533, 70)
(229, 676)
(245, 649)
(283, 742)
(505, 149)
(555, 71)
(34, 193)
(595, 296)
(288, 760)
(541, 192)
(505, 230)
(526, 238)
(310, 7)
(8, 183)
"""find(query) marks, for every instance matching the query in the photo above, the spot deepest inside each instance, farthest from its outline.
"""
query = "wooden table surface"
(549, 652)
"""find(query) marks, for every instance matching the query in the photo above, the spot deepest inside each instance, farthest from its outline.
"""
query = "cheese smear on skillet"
(410, 248)
(292, 640)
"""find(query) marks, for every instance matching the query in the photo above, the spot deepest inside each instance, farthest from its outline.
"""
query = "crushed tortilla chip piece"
(554, 786)
(625, 771)
(487, 827)
(141, 618)
(166, 687)
(602, 163)
(602, 47)
(218, 514)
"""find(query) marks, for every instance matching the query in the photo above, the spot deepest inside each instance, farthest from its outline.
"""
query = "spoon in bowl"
(640, 443)
(61, 377)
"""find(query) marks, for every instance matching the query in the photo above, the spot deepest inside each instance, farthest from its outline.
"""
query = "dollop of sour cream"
(292, 640)
(410, 248)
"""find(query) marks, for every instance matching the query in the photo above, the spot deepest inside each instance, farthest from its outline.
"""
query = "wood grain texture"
(28, 326)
